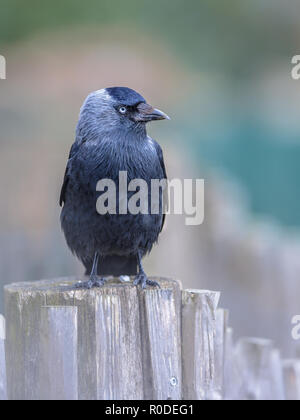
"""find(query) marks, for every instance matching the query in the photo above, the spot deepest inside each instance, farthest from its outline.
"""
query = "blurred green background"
(222, 70)
(242, 48)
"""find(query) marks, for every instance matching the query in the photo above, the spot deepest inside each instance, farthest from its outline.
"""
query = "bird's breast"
(107, 158)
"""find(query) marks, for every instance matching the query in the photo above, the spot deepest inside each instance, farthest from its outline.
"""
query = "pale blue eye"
(122, 109)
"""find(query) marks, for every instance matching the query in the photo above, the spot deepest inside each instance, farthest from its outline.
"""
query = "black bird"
(111, 137)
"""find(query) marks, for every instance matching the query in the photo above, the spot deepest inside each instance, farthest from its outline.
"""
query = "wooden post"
(222, 316)
(3, 394)
(58, 353)
(115, 342)
(231, 376)
(291, 374)
(276, 376)
(259, 367)
(199, 343)
(121, 342)
(118, 344)
(161, 331)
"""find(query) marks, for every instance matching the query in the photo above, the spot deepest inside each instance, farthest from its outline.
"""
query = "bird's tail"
(114, 265)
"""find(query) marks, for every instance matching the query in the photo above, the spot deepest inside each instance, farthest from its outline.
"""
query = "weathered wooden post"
(121, 342)
(199, 344)
(161, 342)
(276, 376)
(3, 394)
(291, 374)
(119, 373)
(231, 376)
(58, 379)
(259, 367)
(116, 342)
(222, 316)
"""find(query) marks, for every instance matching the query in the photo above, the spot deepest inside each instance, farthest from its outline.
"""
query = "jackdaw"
(111, 137)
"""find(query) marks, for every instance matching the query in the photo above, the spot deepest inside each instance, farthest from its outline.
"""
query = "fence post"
(58, 362)
(199, 343)
(161, 309)
(115, 342)
(222, 316)
(121, 342)
(118, 344)
(291, 374)
(229, 383)
(259, 367)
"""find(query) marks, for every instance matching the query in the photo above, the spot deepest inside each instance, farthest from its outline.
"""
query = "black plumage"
(111, 137)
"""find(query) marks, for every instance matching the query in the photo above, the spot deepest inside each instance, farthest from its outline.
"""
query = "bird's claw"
(93, 281)
(142, 280)
(84, 285)
(99, 282)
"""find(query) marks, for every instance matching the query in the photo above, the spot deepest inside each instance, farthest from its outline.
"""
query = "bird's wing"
(73, 152)
(165, 191)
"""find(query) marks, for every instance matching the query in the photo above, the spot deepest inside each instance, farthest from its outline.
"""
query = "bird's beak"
(147, 113)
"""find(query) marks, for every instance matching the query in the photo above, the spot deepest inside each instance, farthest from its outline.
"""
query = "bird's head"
(117, 108)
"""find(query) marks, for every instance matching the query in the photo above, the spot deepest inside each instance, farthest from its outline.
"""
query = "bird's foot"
(142, 280)
(93, 281)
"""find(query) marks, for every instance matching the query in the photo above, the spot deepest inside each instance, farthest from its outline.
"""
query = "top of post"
(67, 285)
